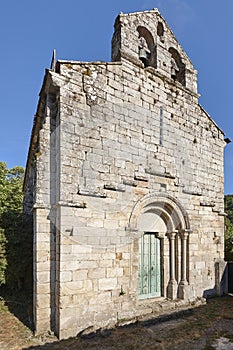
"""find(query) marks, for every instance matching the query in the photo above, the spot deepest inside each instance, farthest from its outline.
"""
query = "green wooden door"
(149, 271)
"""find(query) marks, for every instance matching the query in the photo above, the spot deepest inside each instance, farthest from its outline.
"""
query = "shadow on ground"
(19, 303)
(200, 328)
(193, 329)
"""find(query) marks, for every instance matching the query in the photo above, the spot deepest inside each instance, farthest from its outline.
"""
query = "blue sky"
(30, 30)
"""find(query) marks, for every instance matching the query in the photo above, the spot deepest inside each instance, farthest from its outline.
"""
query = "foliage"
(3, 261)
(15, 230)
(229, 228)
(11, 195)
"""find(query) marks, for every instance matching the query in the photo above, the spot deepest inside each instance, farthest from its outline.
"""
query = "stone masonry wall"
(113, 135)
(111, 156)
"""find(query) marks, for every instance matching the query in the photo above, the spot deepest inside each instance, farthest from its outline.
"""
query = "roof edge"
(207, 114)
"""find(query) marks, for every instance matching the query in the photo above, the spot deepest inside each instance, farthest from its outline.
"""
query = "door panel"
(149, 266)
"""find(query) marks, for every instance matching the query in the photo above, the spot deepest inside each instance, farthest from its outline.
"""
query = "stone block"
(107, 283)
(43, 266)
(43, 301)
(106, 263)
(65, 276)
(80, 275)
(42, 324)
(70, 288)
(114, 272)
(43, 288)
(43, 277)
(200, 265)
(97, 273)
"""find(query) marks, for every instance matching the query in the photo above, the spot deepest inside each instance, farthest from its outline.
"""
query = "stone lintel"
(115, 187)
(157, 173)
(91, 193)
(192, 192)
(72, 204)
(128, 182)
(140, 177)
(41, 206)
(221, 213)
(207, 204)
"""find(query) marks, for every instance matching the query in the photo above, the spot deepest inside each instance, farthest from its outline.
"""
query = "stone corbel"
(160, 235)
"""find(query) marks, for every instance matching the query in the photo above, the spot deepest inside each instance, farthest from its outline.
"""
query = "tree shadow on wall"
(221, 281)
(17, 291)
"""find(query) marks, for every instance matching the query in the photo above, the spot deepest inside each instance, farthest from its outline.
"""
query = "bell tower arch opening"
(160, 31)
(177, 66)
(146, 47)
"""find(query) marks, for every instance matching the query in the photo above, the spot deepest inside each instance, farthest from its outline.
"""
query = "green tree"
(15, 229)
(3, 261)
(3, 181)
(229, 228)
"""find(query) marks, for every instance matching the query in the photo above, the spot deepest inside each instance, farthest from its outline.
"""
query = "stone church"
(124, 180)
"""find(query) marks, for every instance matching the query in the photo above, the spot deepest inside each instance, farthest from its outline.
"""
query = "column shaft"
(172, 285)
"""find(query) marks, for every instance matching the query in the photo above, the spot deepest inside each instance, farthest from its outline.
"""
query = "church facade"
(124, 180)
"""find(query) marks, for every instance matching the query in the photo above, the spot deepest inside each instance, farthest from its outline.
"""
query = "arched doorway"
(149, 266)
(150, 260)
(163, 246)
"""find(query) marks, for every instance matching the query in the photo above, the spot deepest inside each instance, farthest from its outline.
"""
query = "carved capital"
(184, 234)
(160, 235)
(172, 235)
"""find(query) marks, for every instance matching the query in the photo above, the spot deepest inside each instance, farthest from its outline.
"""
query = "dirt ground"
(206, 327)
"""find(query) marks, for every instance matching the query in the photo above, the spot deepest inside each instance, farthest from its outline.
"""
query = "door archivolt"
(163, 231)
(164, 206)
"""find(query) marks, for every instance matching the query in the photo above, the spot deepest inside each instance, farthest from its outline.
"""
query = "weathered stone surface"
(119, 151)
